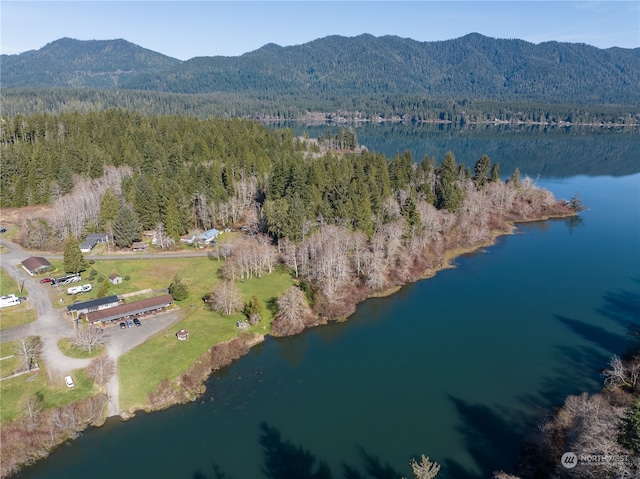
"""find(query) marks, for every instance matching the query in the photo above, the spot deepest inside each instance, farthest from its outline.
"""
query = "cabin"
(115, 278)
(36, 265)
(92, 240)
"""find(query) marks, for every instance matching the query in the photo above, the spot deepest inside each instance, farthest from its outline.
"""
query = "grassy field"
(14, 315)
(8, 284)
(16, 391)
(68, 349)
(164, 357)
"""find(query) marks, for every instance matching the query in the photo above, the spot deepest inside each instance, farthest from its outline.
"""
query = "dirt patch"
(16, 216)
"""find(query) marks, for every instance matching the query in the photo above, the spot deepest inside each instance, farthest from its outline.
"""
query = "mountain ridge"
(472, 66)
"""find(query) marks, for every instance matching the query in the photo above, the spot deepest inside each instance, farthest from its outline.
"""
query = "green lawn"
(68, 349)
(14, 315)
(15, 391)
(164, 357)
(8, 284)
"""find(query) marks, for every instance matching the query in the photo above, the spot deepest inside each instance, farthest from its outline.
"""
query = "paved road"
(52, 324)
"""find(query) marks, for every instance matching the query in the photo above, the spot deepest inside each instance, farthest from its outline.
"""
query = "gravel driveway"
(52, 325)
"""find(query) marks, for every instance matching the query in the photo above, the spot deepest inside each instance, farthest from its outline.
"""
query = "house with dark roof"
(128, 310)
(98, 304)
(36, 265)
(92, 240)
(115, 278)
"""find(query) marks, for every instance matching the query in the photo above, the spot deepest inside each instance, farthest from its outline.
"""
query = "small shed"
(182, 335)
(36, 265)
(115, 278)
(139, 246)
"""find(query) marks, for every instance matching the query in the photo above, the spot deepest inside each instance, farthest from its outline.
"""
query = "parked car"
(129, 323)
(69, 381)
(137, 322)
(45, 280)
(123, 326)
(3, 230)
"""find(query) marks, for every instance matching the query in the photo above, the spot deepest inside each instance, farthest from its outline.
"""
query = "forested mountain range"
(75, 63)
(376, 75)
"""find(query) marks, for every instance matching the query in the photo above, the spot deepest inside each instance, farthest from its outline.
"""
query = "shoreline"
(510, 228)
(232, 350)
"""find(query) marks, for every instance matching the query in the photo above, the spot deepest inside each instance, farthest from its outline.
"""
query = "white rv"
(79, 289)
(9, 300)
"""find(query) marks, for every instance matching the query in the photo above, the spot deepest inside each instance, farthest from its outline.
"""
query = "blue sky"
(186, 29)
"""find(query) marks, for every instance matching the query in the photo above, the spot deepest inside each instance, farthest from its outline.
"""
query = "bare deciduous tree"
(293, 313)
(31, 409)
(27, 349)
(425, 469)
(101, 369)
(88, 338)
(621, 374)
(226, 298)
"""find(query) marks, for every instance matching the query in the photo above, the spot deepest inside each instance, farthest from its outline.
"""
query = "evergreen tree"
(480, 171)
(629, 435)
(178, 288)
(495, 172)
(145, 203)
(410, 213)
(109, 206)
(103, 289)
(516, 178)
(73, 261)
(172, 221)
(254, 310)
(449, 195)
(126, 227)
(65, 179)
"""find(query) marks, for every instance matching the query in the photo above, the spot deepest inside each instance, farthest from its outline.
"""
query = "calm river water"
(456, 367)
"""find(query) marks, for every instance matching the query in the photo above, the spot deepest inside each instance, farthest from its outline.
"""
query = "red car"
(45, 280)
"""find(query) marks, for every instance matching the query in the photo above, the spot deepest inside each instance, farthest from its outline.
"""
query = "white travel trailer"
(79, 289)
(9, 300)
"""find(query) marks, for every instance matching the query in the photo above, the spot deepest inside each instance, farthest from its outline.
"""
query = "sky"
(187, 29)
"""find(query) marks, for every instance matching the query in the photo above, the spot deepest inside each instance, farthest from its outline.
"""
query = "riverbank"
(189, 386)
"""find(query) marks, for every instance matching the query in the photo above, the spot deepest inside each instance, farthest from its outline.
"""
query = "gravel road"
(52, 324)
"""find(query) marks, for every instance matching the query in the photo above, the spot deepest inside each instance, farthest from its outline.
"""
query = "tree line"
(349, 223)
(278, 106)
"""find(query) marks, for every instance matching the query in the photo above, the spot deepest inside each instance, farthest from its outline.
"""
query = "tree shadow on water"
(373, 466)
(611, 342)
(493, 440)
(623, 307)
(285, 460)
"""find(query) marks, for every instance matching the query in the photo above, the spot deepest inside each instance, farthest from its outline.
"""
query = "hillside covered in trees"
(472, 78)
(349, 222)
